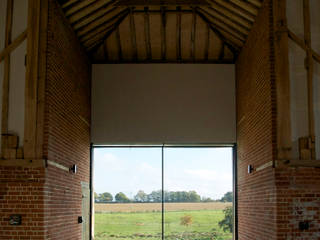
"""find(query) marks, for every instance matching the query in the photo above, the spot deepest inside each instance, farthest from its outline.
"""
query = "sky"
(208, 171)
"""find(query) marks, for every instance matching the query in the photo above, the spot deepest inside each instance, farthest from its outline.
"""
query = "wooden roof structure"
(150, 31)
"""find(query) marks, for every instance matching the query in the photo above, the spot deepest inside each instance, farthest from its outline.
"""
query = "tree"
(141, 196)
(193, 196)
(228, 197)
(155, 196)
(186, 220)
(121, 198)
(105, 197)
(227, 223)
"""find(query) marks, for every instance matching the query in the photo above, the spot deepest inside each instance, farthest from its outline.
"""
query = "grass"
(147, 225)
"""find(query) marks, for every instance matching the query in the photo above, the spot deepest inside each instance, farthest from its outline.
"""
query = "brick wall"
(21, 192)
(255, 132)
(67, 127)
(298, 200)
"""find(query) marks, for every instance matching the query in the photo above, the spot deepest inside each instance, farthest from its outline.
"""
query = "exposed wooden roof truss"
(162, 30)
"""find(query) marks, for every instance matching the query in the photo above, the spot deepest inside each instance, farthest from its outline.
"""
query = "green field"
(147, 225)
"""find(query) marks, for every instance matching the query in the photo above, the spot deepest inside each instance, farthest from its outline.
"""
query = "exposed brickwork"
(21, 192)
(255, 132)
(298, 200)
(67, 131)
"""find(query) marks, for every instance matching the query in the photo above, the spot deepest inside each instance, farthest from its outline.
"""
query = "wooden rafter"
(89, 10)
(95, 20)
(77, 7)
(227, 13)
(193, 34)
(101, 29)
(178, 31)
(147, 33)
(163, 33)
(231, 45)
(119, 44)
(245, 6)
(111, 29)
(222, 25)
(133, 35)
(207, 42)
(100, 22)
(161, 3)
(106, 9)
(234, 26)
(235, 9)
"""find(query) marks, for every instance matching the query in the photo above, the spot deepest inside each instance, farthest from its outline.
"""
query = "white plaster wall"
(3, 10)
(316, 92)
(1, 89)
(17, 92)
(295, 17)
(163, 103)
(299, 95)
(315, 24)
(20, 17)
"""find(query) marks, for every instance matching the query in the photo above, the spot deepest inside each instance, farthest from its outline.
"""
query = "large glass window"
(163, 193)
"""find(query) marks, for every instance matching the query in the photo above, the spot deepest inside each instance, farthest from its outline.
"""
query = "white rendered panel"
(298, 94)
(3, 10)
(315, 24)
(1, 84)
(19, 17)
(163, 103)
(17, 92)
(295, 17)
(316, 92)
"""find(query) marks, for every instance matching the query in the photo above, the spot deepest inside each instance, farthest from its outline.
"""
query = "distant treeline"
(156, 197)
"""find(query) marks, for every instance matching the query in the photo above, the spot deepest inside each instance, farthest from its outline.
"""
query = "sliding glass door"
(163, 193)
(127, 188)
(195, 182)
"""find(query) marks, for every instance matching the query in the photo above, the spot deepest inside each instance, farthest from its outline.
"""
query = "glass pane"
(198, 193)
(127, 186)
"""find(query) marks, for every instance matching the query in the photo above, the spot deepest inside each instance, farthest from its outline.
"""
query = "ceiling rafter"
(147, 33)
(235, 9)
(95, 21)
(112, 28)
(77, 7)
(234, 48)
(245, 6)
(231, 29)
(133, 35)
(94, 15)
(99, 23)
(231, 23)
(100, 32)
(228, 15)
(88, 10)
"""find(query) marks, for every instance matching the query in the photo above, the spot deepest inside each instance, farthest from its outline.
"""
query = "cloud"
(109, 161)
(208, 175)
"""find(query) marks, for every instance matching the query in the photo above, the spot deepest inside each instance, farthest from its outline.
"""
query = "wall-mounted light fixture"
(250, 169)
(73, 169)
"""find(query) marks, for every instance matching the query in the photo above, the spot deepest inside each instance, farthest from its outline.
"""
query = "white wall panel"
(17, 92)
(163, 103)
(1, 89)
(295, 17)
(299, 95)
(316, 92)
(3, 10)
(19, 18)
(315, 24)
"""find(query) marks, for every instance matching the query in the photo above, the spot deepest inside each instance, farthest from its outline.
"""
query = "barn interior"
(80, 73)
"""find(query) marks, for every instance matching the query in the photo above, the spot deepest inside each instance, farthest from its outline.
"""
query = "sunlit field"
(143, 221)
